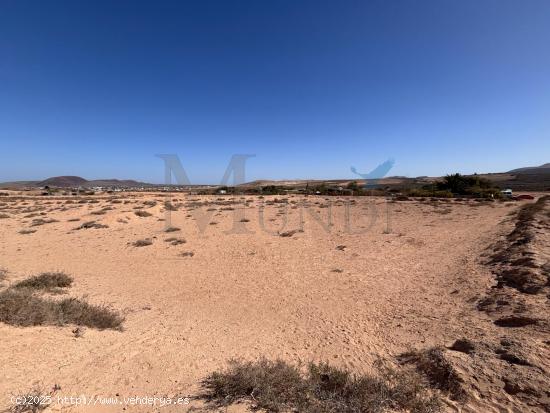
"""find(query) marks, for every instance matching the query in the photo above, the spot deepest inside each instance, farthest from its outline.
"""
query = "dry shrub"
(91, 224)
(175, 241)
(276, 386)
(169, 206)
(172, 229)
(33, 401)
(45, 281)
(289, 233)
(20, 307)
(142, 242)
(41, 221)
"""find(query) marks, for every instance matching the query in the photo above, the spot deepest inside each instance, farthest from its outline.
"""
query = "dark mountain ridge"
(74, 182)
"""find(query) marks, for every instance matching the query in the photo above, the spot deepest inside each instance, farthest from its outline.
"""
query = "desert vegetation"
(277, 386)
(46, 281)
(143, 242)
(91, 224)
(23, 304)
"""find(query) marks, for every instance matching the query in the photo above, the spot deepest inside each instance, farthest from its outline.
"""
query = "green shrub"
(465, 185)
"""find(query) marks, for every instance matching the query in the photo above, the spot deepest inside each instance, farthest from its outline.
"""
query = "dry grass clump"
(172, 229)
(276, 386)
(439, 371)
(41, 221)
(169, 206)
(33, 401)
(45, 281)
(142, 242)
(20, 307)
(91, 224)
(143, 214)
(175, 241)
(290, 233)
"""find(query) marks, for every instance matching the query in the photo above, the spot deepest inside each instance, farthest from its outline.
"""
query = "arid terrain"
(202, 280)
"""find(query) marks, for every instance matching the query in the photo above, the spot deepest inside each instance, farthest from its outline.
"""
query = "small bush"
(21, 307)
(142, 242)
(142, 214)
(41, 221)
(46, 281)
(276, 386)
(175, 241)
(91, 224)
(172, 229)
(169, 206)
(289, 233)
(33, 401)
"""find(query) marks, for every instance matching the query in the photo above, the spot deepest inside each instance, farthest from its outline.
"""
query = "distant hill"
(74, 182)
(535, 178)
(543, 169)
(63, 181)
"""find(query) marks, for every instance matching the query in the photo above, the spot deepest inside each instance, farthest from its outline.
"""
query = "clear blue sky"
(98, 88)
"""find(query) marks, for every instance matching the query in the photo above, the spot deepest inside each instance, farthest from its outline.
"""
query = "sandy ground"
(363, 287)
